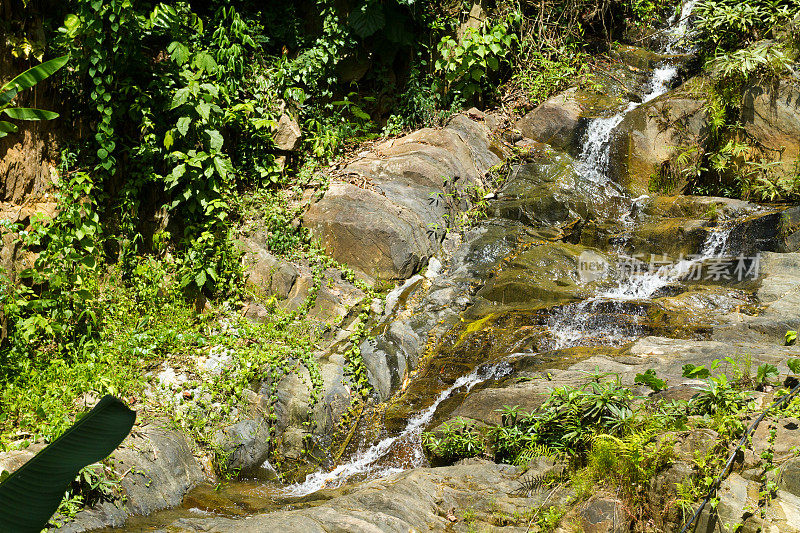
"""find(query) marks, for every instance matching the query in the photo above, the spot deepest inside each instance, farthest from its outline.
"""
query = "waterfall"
(679, 27)
(573, 323)
(365, 462)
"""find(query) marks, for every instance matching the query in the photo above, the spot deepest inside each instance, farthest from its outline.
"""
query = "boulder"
(771, 116)
(244, 446)
(468, 496)
(369, 232)
(557, 121)
(653, 133)
(602, 514)
(288, 134)
(271, 275)
(156, 468)
(388, 225)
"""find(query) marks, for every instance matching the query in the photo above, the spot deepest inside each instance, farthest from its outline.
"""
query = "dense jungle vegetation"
(168, 114)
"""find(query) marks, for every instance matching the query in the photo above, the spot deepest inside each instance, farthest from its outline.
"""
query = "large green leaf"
(30, 113)
(30, 496)
(34, 75)
(367, 19)
(6, 128)
(7, 96)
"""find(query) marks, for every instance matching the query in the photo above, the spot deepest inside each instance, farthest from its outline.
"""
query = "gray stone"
(156, 468)
(603, 514)
(414, 500)
(243, 446)
(388, 227)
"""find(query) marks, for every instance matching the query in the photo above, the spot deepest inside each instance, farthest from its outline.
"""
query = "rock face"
(468, 496)
(393, 220)
(771, 115)
(244, 446)
(652, 133)
(156, 467)
(557, 121)
(267, 272)
(24, 167)
(288, 134)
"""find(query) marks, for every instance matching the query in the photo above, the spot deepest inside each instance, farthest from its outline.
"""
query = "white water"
(593, 163)
(364, 462)
(640, 286)
(679, 27)
(573, 323)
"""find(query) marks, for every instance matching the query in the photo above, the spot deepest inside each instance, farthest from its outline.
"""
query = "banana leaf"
(30, 496)
(30, 113)
(6, 128)
(7, 96)
(34, 75)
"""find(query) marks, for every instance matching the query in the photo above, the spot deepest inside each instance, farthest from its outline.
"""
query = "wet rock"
(557, 122)
(398, 295)
(540, 275)
(288, 134)
(244, 446)
(415, 500)
(390, 357)
(653, 133)
(757, 233)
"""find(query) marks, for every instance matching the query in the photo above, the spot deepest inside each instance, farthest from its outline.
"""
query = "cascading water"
(574, 324)
(678, 26)
(366, 462)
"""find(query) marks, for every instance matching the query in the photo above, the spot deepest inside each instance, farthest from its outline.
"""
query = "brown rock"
(288, 134)
(555, 122)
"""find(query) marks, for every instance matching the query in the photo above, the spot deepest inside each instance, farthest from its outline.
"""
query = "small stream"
(579, 323)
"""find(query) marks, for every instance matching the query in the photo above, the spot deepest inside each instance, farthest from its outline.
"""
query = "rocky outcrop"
(557, 121)
(771, 116)
(388, 215)
(653, 133)
(472, 495)
(26, 168)
(156, 468)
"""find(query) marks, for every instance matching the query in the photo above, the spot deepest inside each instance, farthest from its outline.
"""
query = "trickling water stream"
(367, 462)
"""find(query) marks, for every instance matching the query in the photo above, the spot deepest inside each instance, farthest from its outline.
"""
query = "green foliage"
(567, 420)
(724, 25)
(454, 440)
(790, 338)
(55, 309)
(696, 371)
(718, 396)
(468, 62)
(765, 372)
(26, 80)
(650, 379)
